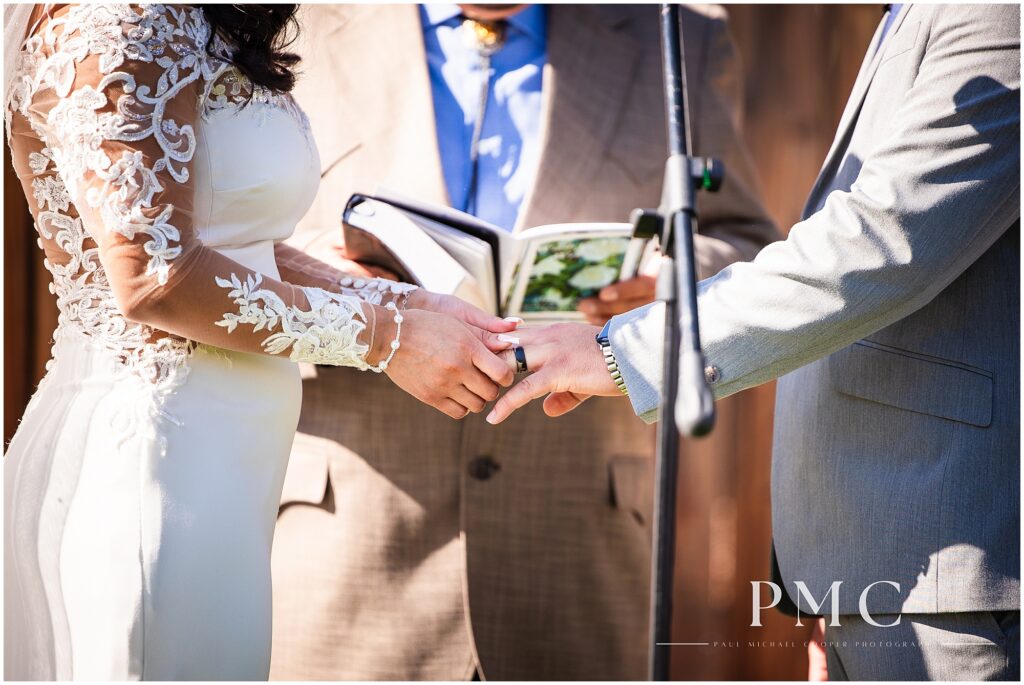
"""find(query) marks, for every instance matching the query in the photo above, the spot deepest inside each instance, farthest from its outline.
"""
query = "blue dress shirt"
(890, 17)
(509, 148)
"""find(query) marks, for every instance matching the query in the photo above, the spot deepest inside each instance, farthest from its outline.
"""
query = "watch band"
(609, 359)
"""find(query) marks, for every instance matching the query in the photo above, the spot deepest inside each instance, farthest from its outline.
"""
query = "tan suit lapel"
(872, 59)
(584, 80)
(394, 116)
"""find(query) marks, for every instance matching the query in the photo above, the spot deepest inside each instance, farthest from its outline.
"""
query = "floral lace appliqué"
(328, 333)
(231, 90)
(49, 192)
(83, 122)
(86, 306)
(375, 290)
(123, 187)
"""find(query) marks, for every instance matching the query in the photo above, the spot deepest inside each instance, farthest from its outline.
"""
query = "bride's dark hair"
(260, 36)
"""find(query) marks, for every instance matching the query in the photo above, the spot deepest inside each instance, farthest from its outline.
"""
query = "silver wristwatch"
(609, 358)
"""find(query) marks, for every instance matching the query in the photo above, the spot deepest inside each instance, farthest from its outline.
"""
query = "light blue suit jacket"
(891, 314)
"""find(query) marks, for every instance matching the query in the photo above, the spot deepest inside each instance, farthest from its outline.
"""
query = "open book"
(540, 273)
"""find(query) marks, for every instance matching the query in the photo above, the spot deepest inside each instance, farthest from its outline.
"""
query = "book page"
(472, 253)
(558, 269)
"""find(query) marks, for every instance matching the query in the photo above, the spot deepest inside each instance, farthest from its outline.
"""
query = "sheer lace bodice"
(162, 181)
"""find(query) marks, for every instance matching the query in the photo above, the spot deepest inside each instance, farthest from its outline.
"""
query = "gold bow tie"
(486, 37)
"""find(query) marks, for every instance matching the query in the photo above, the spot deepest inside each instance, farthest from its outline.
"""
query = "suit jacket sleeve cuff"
(636, 339)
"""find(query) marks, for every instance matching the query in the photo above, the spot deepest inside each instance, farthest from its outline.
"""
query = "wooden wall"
(800, 63)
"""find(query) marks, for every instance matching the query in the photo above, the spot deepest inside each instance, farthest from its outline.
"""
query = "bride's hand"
(441, 361)
(485, 326)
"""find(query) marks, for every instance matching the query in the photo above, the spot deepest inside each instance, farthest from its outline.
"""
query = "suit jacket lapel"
(396, 116)
(872, 59)
(584, 67)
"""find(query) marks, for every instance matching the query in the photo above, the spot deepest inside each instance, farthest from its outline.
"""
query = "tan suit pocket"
(632, 486)
(306, 479)
(914, 382)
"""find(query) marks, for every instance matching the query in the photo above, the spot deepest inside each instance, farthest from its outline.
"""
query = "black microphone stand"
(687, 401)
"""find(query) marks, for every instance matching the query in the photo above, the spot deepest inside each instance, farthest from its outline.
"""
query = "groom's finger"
(530, 388)
(558, 403)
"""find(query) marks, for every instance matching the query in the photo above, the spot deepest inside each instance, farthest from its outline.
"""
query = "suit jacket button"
(483, 467)
(712, 374)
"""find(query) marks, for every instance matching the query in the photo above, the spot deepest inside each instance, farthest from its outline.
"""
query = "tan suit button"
(483, 467)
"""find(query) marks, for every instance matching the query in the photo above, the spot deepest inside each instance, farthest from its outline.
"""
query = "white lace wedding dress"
(142, 486)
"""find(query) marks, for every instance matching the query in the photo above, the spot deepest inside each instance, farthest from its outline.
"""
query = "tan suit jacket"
(412, 546)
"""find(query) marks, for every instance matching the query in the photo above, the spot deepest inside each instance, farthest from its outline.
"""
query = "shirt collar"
(436, 14)
(531, 20)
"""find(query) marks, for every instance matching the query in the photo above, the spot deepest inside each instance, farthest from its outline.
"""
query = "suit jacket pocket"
(914, 382)
(306, 479)
(631, 481)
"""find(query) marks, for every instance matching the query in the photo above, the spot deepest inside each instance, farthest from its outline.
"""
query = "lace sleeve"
(299, 267)
(115, 99)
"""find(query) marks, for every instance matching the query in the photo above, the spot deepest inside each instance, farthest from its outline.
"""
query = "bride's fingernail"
(490, 418)
(508, 338)
(514, 319)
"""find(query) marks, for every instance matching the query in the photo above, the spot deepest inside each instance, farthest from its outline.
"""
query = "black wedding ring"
(520, 354)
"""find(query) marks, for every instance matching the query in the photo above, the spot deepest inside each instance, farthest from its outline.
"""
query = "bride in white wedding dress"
(141, 489)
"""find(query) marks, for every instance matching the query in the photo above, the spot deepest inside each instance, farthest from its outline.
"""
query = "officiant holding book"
(412, 546)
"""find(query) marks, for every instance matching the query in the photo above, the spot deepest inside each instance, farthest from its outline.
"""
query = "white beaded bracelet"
(401, 292)
(395, 344)
(372, 291)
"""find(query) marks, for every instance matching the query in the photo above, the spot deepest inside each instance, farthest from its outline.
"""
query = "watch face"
(602, 337)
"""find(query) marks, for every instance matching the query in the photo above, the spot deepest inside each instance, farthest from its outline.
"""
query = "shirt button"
(483, 467)
(712, 374)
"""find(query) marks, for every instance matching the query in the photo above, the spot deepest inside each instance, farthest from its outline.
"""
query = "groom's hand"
(567, 366)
